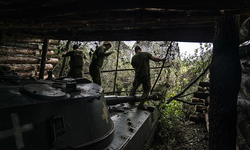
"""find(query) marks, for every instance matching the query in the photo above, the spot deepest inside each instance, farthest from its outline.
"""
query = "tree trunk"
(225, 78)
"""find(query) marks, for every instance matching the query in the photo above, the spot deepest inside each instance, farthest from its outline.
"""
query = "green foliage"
(177, 73)
(181, 73)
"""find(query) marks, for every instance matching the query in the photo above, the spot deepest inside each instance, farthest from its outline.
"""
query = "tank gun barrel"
(114, 99)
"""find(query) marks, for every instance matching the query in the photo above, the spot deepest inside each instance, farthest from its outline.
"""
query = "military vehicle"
(67, 113)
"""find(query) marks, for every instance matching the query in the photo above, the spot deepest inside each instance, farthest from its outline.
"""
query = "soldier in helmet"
(97, 61)
(76, 62)
(140, 62)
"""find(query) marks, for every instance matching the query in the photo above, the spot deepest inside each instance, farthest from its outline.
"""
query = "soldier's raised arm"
(157, 59)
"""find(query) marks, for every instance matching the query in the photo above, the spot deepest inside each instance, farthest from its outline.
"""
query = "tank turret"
(66, 113)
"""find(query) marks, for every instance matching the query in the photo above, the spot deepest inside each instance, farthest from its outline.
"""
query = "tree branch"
(178, 95)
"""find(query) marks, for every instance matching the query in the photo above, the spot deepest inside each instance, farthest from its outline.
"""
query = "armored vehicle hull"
(68, 114)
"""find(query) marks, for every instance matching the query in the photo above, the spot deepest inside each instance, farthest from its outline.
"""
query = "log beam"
(26, 45)
(19, 39)
(225, 78)
(204, 84)
(199, 94)
(24, 67)
(19, 60)
(23, 51)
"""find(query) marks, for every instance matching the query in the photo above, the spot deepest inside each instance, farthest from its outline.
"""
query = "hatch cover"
(43, 91)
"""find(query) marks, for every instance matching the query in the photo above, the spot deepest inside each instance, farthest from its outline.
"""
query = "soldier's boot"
(141, 105)
(132, 93)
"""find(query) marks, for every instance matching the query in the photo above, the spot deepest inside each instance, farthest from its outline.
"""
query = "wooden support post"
(45, 49)
(116, 66)
(225, 78)
(64, 60)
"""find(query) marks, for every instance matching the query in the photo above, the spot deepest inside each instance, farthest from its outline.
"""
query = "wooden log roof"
(93, 20)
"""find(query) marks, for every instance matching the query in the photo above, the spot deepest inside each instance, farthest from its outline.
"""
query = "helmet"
(107, 43)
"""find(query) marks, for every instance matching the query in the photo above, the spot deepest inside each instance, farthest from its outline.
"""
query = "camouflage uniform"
(97, 62)
(76, 63)
(146, 85)
(140, 62)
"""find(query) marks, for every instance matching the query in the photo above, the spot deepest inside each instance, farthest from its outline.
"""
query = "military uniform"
(140, 62)
(76, 63)
(97, 62)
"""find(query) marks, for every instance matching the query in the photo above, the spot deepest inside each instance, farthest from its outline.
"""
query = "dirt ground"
(190, 136)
